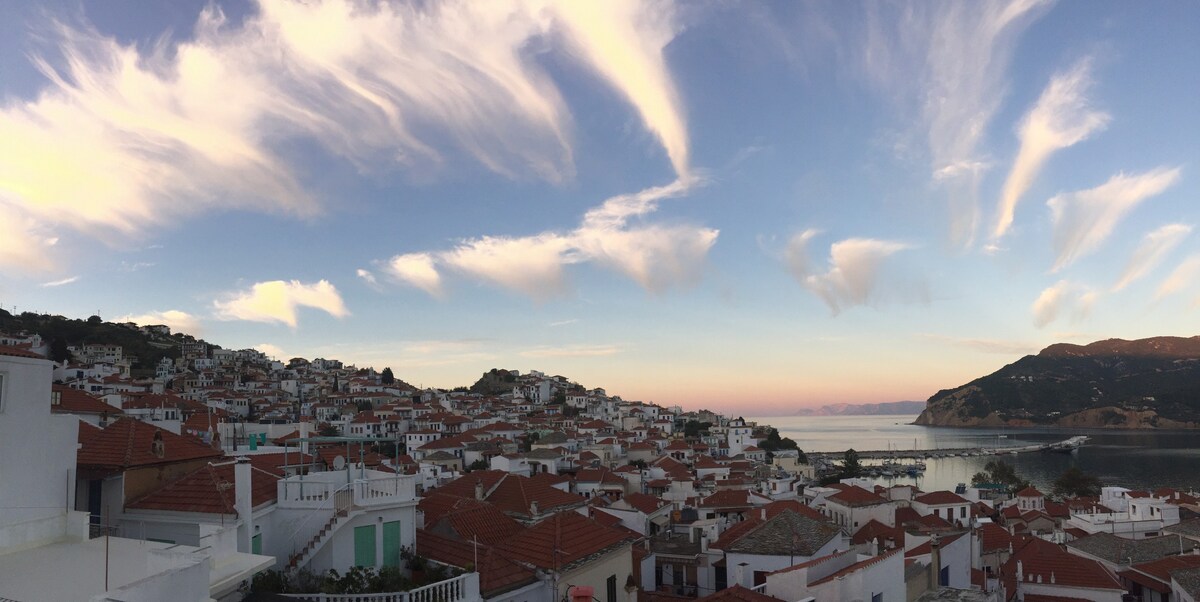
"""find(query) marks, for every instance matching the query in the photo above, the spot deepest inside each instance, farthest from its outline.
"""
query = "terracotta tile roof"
(511, 493)
(475, 521)
(939, 498)
(994, 537)
(20, 352)
(873, 530)
(497, 573)
(644, 503)
(127, 443)
(1030, 491)
(274, 463)
(735, 532)
(1157, 574)
(562, 541)
(210, 490)
(856, 496)
(1040, 558)
(728, 499)
(74, 401)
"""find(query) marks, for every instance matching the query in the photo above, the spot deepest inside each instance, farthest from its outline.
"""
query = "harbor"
(911, 462)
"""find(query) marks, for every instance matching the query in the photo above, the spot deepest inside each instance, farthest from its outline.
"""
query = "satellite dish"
(339, 463)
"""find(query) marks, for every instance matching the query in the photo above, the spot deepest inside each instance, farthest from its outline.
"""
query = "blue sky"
(742, 206)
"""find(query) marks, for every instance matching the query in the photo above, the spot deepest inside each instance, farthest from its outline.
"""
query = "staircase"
(301, 557)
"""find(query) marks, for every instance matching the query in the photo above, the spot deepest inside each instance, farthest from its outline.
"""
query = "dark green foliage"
(1162, 373)
(999, 472)
(1075, 483)
(494, 382)
(357, 580)
(62, 332)
(478, 465)
(328, 430)
(850, 467)
(386, 377)
(693, 429)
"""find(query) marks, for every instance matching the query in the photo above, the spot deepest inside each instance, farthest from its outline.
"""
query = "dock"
(1064, 446)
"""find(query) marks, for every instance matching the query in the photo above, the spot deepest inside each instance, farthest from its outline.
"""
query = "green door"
(391, 543)
(364, 546)
(256, 544)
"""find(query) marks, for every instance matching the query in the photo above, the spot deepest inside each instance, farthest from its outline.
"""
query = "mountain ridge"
(1113, 383)
(864, 409)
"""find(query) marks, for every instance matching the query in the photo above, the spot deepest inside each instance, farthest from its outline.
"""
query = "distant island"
(1141, 384)
(865, 409)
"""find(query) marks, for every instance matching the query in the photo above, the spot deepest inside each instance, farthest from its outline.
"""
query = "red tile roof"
(940, 498)
(20, 352)
(856, 496)
(1039, 557)
(127, 443)
(497, 573)
(1030, 491)
(644, 503)
(737, 593)
(210, 490)
(74, 401)
(475, 521)
(563, 540)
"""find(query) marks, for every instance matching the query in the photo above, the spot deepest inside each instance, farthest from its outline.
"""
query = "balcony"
(337, 489)
(464, 588)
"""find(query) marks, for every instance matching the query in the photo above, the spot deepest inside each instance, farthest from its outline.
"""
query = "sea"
(1137, 459)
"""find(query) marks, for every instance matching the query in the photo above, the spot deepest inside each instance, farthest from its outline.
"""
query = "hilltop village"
(228, 475)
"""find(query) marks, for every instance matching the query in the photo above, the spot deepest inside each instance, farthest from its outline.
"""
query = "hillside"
(865, 409)
(147, 349)
(1147, 383)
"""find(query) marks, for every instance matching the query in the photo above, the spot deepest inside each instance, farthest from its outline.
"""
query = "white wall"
(38, 448)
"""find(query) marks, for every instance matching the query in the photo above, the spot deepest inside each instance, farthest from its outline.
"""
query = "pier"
(1064, 446)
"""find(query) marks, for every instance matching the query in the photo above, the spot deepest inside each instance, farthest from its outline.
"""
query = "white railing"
(387, 490)
(464, 588)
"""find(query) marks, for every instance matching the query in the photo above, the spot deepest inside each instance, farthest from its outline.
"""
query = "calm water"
(1134, 459)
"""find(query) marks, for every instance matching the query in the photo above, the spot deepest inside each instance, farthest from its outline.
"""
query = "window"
(612, 588)
(962, 512)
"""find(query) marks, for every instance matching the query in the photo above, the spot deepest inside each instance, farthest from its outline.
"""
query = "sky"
(742, 206)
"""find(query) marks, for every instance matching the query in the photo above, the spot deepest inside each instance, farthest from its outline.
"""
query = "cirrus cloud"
(1084, 219)
(1151, 252)
(278, 300)
(1061, 298)
(1061, 118)
(408, 84)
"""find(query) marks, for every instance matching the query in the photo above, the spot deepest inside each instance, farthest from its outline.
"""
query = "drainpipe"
(243, 504)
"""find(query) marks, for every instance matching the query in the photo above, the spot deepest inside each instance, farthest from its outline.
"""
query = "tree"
(328, 430)
(479, 464)
(58, 350)
(851, 467)
(694, 428)
(1073, 482)
(1000, 472)
(386, 377)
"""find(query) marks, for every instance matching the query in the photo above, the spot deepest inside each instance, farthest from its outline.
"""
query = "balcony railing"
(316, 491)
(464, 588)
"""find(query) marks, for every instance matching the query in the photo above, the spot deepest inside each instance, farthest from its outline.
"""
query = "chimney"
(935, 560)
(157, 447)
(303, 436)
(1020, 572)
(740, 573)
(479, 489)
(533, 508)
(242, 503)
(1051, 576)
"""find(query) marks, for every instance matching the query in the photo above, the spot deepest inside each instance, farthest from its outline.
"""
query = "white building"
(45, 549)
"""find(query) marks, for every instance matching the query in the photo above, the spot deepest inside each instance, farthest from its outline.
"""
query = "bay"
(1137, 459)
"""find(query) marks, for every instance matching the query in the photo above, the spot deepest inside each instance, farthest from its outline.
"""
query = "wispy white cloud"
(852, 277)
(1061, 118)
(24, 245)
(62, 282)
(559, 323)
(948, 63)
(154, 137)
(656, 257)
(1185, 275)
(178, 321)
(571, 351)
(1084, 219)
(998, 346)
(1151, 252)
(272, 351)
(277, 301)
(1061, 298)
(366, 275)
